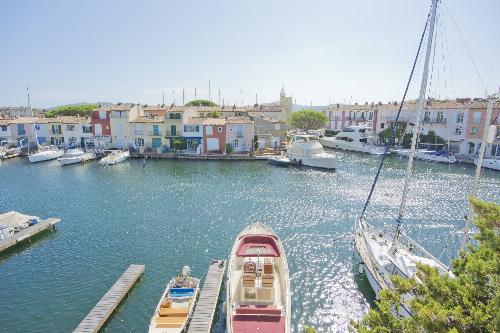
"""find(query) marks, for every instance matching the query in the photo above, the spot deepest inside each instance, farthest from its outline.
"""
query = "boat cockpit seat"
(249, 280)
(249, 267)
(174, 312)
(268, 267)
(268, 280)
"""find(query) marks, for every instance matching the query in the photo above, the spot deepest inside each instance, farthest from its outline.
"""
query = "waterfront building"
(223, 111)
(20, 111)
(475, 128)
(147, 132)
(5, 133)
(340, 116)
(193, 134)
(270, 133)
(67, 132)
(214, 135)
(240, 133)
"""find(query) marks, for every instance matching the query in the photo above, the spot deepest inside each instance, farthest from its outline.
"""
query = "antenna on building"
(173, 97)
(209, 91)
(256, 101)
(195, 95)
(219, 96)
(241, 93)
(183, 102)
(163, 98)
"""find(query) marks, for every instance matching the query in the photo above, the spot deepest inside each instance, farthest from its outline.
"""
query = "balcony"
(170, 133)
(434, 121)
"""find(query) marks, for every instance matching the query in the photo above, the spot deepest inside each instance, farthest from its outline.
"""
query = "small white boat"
(489, 163)
(174, 311)
(6, 153)
(306, 150)
(45, 154)
(279, 160)
(12, 222)
(115, 157)
(76, 155)
(354, 138)
(258, 284)
(429, 155)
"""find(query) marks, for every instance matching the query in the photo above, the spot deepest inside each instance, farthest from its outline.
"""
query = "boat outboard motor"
(185, 271)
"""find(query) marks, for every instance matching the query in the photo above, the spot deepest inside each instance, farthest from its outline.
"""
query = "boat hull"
(45, 156)
(489, 163)
(114, 158)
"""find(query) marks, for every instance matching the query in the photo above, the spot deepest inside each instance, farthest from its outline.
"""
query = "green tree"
(200, 102)
(179, 144)
(308, 120)
(213, 114)
(229, 149)
(309, 329)
(386, 134)
(469, 301)
(82, 110)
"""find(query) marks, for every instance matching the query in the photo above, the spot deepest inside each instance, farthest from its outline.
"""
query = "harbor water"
(174, 213)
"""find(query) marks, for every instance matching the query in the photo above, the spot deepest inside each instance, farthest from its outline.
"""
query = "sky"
(321, 51)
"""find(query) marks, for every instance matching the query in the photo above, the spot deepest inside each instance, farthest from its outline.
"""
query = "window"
(20, 129)
(56, 129)
(460, 117)
(102, 114)
(239, 131)
(156, 130)
(474, 130)
(173, 130)
(476, 117)
(3, 128)
(70, 127)
(382, 125)
(98, 129)
(427, 116)
(138, 129)
(156, 142)
(495, 150)
(87, 129)
(189, 128)
(139, 142)
(277, 127)
(440, 117)
(370, 116)
(470, 148)
(209, 130)
(219, 129)
(458, 130)
(236, 143)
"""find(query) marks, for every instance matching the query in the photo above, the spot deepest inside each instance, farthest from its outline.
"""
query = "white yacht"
(115, 157)
(174, 311)
(258, 284)
(45, 154)
(306, 150)
(358, 138)
(489, 163)
(76, 155)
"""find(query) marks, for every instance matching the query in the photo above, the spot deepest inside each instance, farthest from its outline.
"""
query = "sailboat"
(43, 153)
(384, 255)
(258, 284)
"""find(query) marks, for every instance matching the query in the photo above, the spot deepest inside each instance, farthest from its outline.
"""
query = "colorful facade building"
(214, 135)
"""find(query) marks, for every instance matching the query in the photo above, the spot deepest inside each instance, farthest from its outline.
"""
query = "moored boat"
(306, 150)
(76, 155)
(174, 311)
(45, 154)
(115, 157)
(489, 163)
(258, 284)
(354, 138)
(279, 160)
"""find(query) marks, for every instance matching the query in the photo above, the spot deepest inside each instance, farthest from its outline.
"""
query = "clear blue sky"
(129, 51)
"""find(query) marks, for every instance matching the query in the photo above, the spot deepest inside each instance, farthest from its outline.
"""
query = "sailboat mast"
(473, 193)
(416, 129)
(33, 117)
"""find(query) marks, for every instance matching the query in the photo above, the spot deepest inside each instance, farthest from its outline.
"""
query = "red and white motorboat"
(258, 284)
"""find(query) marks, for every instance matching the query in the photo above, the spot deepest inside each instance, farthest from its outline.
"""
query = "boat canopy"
(258, 246)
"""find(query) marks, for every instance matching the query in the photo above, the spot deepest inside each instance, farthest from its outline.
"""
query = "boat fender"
(361, 268)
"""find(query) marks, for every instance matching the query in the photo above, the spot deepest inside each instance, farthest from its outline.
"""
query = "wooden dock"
(201, 322)
(110, 301)
(27, 233)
